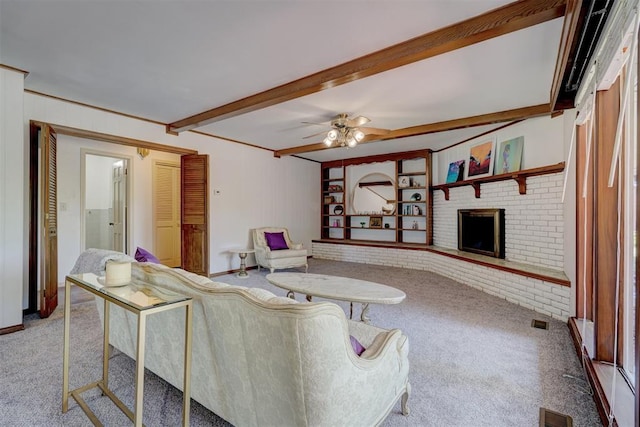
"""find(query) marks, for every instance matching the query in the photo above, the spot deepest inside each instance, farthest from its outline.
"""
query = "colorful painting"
(456, 172)
(510, 155)
(481, 158)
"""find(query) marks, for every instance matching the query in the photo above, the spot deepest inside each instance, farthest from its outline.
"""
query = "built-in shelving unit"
(520, 177)
(410, 219)
(333, 206)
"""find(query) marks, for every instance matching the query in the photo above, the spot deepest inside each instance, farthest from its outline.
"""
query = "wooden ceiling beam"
(509, 18)
(574, 15)
(473, 121)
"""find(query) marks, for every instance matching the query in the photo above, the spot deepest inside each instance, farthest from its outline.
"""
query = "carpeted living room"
(319, 213)
(475, 359)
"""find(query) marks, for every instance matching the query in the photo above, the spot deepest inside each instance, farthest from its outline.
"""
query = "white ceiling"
(167, 60)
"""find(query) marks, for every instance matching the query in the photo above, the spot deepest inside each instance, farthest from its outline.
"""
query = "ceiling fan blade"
(375, 131)
(315, 134)
(315, 123)
(357, 121)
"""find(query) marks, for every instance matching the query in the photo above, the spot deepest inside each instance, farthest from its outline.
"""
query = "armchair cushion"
(276, 241)
(288, 253)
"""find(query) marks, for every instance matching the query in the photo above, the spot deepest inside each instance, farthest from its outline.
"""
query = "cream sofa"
(263, 360)
(295, 256)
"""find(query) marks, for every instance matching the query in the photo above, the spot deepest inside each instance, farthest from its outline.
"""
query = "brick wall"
(533, 222)
(544, 297)
(534, 235)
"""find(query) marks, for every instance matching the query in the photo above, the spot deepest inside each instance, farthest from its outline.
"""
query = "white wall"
(98, 179)
(255, 188)
(543, 145)
(13, 187)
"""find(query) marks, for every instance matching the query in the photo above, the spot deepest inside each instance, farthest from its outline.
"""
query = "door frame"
(33, 173)
(83, 187)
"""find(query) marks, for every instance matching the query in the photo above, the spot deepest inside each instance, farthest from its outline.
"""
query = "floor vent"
(549, 418)
(540, 324)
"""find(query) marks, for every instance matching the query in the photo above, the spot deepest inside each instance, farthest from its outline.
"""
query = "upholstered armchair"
(277, 251)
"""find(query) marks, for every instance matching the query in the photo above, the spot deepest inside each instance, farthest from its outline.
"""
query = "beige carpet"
(475, 360)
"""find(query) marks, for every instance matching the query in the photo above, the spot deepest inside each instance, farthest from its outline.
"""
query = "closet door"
(166, 213)
(195, 213)
(49, 222)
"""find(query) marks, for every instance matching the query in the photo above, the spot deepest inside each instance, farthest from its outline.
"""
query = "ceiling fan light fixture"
(327, 142)
(332, 135)
(351, 141)
(358, 135)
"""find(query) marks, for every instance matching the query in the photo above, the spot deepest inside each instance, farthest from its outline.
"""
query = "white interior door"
(118, 185)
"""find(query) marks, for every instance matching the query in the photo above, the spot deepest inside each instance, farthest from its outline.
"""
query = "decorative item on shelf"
(337, 223)
(481, 158)
(414, 226)
(416, 210)
(338, 199)
(416, 197)
(375, 222)
(456, 171)
(362, 224)
(404, 182)
(386, 225)
(335, 187)
(388, 209)
(338, 209)
(510, 155)
(415, 183)
(329, 199)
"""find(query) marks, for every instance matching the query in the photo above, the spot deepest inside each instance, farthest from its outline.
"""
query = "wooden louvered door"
(166, 213)
(49, 222)
(195, 213)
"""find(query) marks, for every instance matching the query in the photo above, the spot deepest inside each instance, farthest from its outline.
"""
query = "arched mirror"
(374, 194)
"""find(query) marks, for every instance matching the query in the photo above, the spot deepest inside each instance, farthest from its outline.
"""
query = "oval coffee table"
(338, 288)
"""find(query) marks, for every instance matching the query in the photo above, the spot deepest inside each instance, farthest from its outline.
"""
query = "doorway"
(43, 214)
(104, 205)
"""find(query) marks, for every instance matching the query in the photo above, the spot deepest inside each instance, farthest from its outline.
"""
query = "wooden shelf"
(520, 177)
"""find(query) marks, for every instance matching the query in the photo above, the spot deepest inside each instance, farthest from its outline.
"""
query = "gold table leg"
(65, 356)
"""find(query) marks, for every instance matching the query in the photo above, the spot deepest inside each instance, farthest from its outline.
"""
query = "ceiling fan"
(346, 131)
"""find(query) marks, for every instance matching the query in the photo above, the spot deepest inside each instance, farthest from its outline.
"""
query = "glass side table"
(143, 300)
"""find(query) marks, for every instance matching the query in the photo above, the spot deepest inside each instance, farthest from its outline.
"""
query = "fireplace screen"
(481, 231)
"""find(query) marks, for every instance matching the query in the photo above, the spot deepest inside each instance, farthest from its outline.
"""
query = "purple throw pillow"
(357, 347)
(276, 241)
(143, 255)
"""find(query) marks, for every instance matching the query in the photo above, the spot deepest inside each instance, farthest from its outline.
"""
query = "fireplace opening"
(481, 231)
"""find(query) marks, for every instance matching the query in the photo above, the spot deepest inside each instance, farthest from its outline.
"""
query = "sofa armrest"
(296, 246)
(363, 332)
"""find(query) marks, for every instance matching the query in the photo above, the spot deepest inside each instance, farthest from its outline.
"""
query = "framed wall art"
(455, 172)
(510, 155)
(481, 158)
(375, 222)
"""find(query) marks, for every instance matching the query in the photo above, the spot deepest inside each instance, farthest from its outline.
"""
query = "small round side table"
(242, 253)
